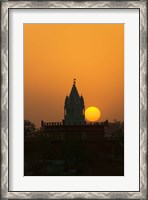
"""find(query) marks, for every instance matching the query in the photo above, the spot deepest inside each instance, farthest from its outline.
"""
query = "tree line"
(30, 129)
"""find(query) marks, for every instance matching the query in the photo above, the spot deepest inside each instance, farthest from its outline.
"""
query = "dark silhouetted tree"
(29, 128)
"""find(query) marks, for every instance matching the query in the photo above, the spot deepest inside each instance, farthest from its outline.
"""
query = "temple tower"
(74, 108)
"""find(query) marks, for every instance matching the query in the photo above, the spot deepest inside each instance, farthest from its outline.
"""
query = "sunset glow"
(55, 54)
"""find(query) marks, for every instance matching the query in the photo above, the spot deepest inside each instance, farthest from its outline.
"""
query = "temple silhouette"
(74, 126)
(74, 108)
(74, 147)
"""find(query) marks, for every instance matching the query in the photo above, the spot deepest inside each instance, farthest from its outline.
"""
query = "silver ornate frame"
(142, 6)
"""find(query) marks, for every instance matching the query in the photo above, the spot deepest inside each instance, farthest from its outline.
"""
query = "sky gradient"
(55, 54)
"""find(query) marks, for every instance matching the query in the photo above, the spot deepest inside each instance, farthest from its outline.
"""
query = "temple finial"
(74, 81)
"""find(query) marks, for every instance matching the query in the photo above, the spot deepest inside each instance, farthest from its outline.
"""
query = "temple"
(73, 126)
(74, 108)
(74, 147)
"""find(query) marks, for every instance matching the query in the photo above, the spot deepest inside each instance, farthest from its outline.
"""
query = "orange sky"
(55, 54)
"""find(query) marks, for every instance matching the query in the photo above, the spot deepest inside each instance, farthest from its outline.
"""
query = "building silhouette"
(73, 126)
(74, 147)
(74, 108)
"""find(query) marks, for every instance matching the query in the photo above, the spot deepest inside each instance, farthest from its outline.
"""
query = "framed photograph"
(74, 99)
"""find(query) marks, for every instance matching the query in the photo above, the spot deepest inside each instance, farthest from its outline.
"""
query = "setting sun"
(92, 114)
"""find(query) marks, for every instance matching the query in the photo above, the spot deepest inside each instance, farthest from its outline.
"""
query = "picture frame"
(6, 6)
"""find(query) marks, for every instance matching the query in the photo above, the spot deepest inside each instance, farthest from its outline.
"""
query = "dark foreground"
(73, 158)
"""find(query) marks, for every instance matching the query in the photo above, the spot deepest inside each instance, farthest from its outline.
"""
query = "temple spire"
(74, 82)
(74, 107)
